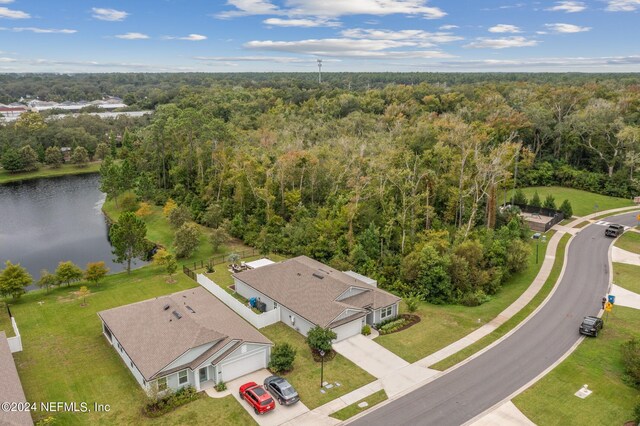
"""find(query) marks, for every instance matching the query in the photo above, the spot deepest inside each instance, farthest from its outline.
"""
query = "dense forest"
(397, 176)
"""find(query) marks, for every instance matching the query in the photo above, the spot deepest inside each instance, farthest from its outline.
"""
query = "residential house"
(185, 338)
(310, 293)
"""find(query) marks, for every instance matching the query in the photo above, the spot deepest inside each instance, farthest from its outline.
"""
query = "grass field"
(353, 409)
(46, 172)
(305, 376)
(66, 358)
(627, 276)
(597, 363)
(629, 241)
(582, 202)
(442, 325)
(514, 320)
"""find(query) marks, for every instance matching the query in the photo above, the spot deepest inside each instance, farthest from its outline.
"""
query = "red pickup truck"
(257, 397)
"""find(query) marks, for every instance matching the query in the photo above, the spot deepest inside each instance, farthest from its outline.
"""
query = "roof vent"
(191, 309)
(166, 307)
(317, 275)
(177, 314)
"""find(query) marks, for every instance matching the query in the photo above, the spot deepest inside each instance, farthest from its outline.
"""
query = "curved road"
(467, 391)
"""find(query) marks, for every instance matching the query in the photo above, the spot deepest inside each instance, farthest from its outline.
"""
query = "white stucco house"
(310, 293)
(185, 338)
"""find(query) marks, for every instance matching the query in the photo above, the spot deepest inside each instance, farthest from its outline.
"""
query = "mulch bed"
(327, 356)
(411, 321)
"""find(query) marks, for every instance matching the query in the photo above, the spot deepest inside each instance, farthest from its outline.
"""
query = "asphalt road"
(467, 391)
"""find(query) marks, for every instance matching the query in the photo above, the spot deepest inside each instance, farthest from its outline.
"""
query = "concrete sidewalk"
(623, 256)
(370, 356)
(625, 297)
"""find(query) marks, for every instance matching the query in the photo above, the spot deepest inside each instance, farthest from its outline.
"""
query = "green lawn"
(582, 202)
(66, 358)
(629, 241)
(353, 409)
(46, 172)
(627, 276)
(305, 376)
(442, 325)
(5, 321)
(597, 363)
(514, 320)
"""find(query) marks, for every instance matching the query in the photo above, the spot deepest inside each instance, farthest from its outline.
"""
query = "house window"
(183, 377)
(162, 383)
(275, 305)
(107, 332)
(386, 312)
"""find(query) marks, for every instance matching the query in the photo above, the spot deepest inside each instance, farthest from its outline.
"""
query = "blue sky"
(348, 35)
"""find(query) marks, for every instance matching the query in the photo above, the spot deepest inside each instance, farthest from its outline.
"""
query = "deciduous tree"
(127, 237)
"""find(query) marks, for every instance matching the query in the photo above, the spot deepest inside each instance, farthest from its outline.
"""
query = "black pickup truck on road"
(614, 230)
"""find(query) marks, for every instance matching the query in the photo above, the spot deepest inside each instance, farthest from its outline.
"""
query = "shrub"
(519, 197)
(129, 203)
(475, 298)
(389, 326)
(412, 303)
(631, 360)
(221, 387)
(319, 338)
(170, 401)
(636, 413)
(282, 357)
(535, 200)
(566, 209)
(549, 202)
(366, 329)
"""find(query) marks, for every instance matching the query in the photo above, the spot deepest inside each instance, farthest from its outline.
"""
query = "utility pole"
(319, 71)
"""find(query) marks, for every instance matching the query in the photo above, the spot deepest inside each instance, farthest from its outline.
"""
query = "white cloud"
(304, 23)
(422, 38)
(274, 59)
(501, 43)
(598, 63)
(7, 60)
(347, 47)
(6, 1)
(190, 37)
(13, 14)
(109, 14)
(132, 36)
(333, 8)
(566, 28)
(448, 27)
(568, 7)
(623, 5)
(43, 30)
(504, 28)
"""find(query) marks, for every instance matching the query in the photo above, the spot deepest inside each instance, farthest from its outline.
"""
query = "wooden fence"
(190, 269)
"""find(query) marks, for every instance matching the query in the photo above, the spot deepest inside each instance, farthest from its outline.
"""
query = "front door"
(204, 376)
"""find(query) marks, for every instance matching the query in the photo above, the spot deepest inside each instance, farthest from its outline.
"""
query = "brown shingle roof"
(10, 387)
(311, 289)
(154, 337)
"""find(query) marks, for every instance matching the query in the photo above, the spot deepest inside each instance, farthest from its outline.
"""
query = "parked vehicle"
(257, 397)
(591, 326)
(614, 230)
(281, 390)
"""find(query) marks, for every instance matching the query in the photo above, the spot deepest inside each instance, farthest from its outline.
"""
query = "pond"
(45, 221)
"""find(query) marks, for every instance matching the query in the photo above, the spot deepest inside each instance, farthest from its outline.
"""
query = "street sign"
(608, 306)
(638, 217)
(612, 299)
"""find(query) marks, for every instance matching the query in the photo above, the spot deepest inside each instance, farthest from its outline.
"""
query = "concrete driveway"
(370, 356)
(280, 415)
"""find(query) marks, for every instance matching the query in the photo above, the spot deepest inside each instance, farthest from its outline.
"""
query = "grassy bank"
(582, 202)
(47, 172)
(305, 376)
(161, 232)
(627, 276)
(442, 325)
(597, 363)
(629, 241)
(66, 358)
(5, 321)
(514, 320)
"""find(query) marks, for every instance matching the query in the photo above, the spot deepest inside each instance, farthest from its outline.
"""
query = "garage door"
(349, 329)
(241, 366)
